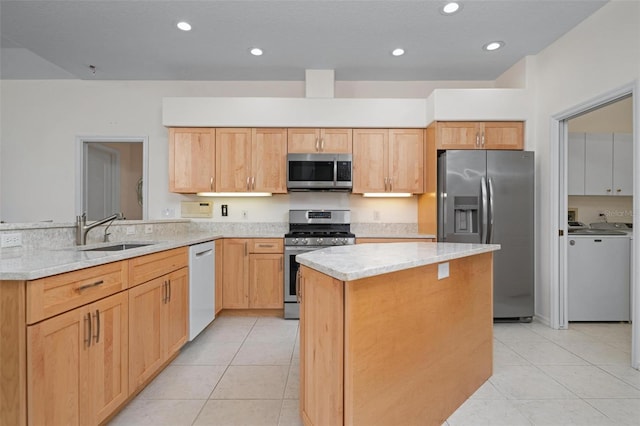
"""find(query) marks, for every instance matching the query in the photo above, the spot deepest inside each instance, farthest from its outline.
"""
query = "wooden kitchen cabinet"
(158, 324)
(78, 364)
(253, 275)
(219, 268)
(608, 167)
(309, 141)
(192, 160)
(480, 135)
(388, 160)
(251, 160)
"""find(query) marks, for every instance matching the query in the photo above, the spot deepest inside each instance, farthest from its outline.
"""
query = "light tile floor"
(244, 371)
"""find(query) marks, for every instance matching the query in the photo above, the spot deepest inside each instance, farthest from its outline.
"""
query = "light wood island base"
(401, 348)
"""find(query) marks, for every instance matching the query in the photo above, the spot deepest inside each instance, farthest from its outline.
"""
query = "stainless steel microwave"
(329, 172)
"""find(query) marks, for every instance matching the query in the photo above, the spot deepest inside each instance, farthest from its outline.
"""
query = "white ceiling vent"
(319, 83)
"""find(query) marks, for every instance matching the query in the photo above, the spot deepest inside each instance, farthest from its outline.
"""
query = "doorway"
(560, 125)
(111, 177)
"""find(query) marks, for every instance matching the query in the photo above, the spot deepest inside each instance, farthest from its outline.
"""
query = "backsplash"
(57, 235)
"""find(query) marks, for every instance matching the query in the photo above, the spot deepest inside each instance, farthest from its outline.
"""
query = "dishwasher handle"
(204, 253)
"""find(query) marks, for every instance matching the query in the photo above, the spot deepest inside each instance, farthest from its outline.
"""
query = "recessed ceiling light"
(494, 45)
(184, 26)
(256, 51)
(450, 8)
(397, 52)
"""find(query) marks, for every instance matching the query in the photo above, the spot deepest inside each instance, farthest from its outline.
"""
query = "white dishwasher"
(202, 286)
(598, 278)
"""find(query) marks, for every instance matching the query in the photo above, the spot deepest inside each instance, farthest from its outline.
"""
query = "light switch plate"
(443, 270)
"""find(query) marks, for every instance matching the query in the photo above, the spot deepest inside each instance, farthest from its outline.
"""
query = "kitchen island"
(393, 334)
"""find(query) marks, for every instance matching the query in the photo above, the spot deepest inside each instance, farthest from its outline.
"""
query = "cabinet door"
(370, 160)
(145, 333)
(219, 263)
(458, 135)
(269, 160)
(235, 275)
(406, 160)
(336, 141)
(502, 135)
(622, 164)
(575, 163)
(176, 312)
(598, 164)
(266, 281)
(191, 160)
(303, 141)
(109, 355)
(58, 365)
(233, 160)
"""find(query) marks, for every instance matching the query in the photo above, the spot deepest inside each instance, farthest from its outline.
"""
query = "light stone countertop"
(31, 264)
(348, 263)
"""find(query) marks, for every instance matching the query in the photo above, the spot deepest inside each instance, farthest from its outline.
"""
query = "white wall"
(41, 119)
(599, 55)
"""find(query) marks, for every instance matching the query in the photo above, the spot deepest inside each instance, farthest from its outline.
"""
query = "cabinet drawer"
(266, 245)
(53, 295)
(146, 268)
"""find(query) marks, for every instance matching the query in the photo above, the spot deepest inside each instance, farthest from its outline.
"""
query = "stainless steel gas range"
(310, 230)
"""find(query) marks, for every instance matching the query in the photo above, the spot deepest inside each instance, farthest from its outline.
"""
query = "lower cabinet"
(77, 364)
(253, 276)
(158, 324)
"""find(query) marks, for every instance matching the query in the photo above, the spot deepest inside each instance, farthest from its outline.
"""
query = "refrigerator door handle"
(490, 213)
(485, 207)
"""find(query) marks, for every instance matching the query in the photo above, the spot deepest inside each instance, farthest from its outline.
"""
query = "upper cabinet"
(600, 164)
(251, 160)
(306, 141)
(480, 135)
(192, 160)
(388, 160)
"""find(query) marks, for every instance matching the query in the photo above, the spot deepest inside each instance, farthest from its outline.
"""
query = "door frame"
(80, 141)
(115, 178)
(559, 200)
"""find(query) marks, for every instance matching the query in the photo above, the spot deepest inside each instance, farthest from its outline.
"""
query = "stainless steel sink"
(118, 247)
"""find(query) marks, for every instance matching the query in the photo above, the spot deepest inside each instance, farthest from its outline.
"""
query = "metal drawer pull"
(266, 245)
(87, 341)
(86, 286)
(169, 286)
(253, 183)
(164, 291)
(97, 335)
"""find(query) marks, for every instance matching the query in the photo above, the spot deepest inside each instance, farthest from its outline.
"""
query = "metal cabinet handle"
(321, 144)
(318, 144)
(477, 139)
(253, 183)
(86, 286)
(266, 245)
(211, 184)
(164, 292)
(386, 182)
(97, 316)
(247, 184)
(169, 287)
(87, 318)
(391, 184)
(483, 139)
(618, 190)
(608, 189)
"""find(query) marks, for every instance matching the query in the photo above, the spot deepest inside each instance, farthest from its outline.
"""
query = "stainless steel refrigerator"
(488, 197)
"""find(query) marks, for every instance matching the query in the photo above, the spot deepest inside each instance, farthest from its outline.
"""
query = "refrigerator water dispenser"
(465, 211)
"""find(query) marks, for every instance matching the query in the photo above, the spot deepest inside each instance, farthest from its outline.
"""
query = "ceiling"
(138, 40)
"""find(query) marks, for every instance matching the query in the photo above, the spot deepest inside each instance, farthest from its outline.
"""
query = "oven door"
(291, 267)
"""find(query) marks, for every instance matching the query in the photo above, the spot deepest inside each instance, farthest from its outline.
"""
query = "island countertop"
(353, 262)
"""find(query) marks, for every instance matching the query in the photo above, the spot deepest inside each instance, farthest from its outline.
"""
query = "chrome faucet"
(82, 229)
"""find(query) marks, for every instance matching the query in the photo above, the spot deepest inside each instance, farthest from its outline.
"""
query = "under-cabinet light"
(387, 194)
(234, 194)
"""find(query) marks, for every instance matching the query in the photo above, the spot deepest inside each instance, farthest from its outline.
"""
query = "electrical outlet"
(11, 240)
(225, 210)
(148, 229)
(131, 230)
(245, 215)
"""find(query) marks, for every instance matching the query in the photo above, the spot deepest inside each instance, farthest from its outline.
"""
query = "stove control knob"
(304, 241)
(294, 241)
(343, 240)
(334, 241)
(319, 241)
